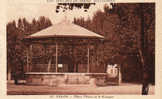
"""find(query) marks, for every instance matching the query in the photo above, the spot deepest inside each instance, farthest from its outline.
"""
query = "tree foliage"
(16, 50)
(121, 27)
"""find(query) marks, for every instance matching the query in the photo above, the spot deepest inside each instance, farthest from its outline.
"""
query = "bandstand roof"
(65, 29)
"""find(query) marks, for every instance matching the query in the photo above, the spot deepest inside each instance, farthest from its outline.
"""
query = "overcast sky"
(34, 10)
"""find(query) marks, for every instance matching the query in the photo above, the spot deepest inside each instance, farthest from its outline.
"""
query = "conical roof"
(65, 29)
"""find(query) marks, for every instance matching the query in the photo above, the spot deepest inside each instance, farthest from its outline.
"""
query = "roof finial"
(65, 19)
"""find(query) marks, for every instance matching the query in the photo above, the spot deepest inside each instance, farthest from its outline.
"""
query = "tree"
(127, 26)
(144, 15)
(15, 48)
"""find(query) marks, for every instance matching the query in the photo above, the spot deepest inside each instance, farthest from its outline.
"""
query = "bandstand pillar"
(27, 54)
(56, 57)
(88, 59)
(30, 58)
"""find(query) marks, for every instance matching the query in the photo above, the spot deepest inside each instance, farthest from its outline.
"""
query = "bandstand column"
(56, 57)
(27, 55)
(88, 60)
(31, 55)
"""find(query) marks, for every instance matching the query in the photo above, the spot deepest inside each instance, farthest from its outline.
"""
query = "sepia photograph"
(80, 48)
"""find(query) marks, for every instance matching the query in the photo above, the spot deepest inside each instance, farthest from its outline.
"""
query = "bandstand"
(57, 65)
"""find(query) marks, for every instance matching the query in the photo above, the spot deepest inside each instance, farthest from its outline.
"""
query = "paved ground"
(124, 88)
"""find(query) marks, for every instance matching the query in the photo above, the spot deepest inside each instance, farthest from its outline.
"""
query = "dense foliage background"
(129, 30)
(16, 31)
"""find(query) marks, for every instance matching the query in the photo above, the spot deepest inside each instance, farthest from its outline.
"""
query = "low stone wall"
(59, 79)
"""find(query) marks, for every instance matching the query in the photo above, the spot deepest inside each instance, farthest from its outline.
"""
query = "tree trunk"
(143, 54)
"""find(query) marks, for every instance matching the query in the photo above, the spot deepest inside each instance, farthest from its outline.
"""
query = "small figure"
(18, 74)
(15, 78)
(145, 87)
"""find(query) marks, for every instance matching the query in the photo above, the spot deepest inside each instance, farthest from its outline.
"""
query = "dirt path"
(125, 88)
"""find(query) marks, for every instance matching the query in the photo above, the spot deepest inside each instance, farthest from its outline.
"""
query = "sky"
(28, 10)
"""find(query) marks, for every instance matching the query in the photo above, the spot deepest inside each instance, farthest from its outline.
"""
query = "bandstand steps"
(77, 79)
